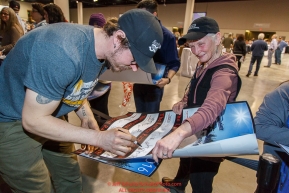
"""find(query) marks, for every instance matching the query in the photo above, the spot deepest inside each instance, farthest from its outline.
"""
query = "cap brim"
(145, 63)
(191, 36)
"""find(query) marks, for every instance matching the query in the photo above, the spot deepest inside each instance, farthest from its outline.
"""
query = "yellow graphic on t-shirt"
(80, 92)
(78, 85)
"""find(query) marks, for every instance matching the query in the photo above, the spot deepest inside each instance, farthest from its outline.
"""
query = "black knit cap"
(200, 28)
(14, 5)
(145, 36)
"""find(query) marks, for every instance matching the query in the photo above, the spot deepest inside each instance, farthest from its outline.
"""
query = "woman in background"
(37, 14)
(10, 30)
(239, 49)
(53, 14)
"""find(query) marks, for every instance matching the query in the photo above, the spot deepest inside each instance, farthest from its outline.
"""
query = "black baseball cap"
(199, 29)
(144, 34)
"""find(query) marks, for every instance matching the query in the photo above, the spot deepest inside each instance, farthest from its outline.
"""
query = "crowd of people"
(47, 74)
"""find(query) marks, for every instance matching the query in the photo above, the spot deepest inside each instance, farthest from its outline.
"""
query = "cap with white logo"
(144, 34)
(199, 29)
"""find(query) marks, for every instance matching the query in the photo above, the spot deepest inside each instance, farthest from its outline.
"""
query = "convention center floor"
(232, 177)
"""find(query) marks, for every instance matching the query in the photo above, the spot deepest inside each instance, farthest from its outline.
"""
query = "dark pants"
(253, 60)
(239, 62)
(200, 172)
(147, 98)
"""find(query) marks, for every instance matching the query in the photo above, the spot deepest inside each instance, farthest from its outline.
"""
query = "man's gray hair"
(261, 36)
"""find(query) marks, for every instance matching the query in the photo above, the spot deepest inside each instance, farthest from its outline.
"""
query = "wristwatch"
(169, 80)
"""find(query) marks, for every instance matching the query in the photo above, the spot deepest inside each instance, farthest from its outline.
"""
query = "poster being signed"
(231, 134)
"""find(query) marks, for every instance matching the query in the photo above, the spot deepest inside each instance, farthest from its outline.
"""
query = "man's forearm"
(58, 130)
(84, 110)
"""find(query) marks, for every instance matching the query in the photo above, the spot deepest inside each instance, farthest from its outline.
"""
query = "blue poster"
(160, 72)
(143, 166)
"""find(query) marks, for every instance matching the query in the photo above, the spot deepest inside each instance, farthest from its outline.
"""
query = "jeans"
(278, 56)
(253, 59)
(147, 98)
(27, 161)
(270, 54)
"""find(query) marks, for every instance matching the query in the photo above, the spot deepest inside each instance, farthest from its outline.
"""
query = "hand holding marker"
(135, 142)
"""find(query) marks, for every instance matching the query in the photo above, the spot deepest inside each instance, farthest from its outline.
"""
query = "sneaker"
(248, 74)
(175, 186)
(255, 74)
(267, 66)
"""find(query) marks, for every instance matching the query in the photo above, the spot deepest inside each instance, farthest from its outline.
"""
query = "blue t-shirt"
(57, 61)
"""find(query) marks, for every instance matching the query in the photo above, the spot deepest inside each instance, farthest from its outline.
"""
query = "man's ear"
(155, 14)
(117, 35)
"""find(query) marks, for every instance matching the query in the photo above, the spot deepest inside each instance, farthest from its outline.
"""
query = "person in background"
(215, 83)
(272, 126)
(281, 45)
(228, 43)
(176, 33)
(148, 97)
(97, 20)
(38, 14)
(49, 74)
(10, 30)
(53, 14)
(16, 7)
(257, 48)
(100, 103)
(271, 50)
(239, 49)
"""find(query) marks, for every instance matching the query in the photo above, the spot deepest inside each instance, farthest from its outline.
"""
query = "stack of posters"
(231, 134)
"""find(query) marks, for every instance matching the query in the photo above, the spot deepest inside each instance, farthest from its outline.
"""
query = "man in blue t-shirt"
(281, 45)
(49, 73)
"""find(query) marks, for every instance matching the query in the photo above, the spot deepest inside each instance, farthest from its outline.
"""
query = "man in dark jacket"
(258, 47)
(148, 97)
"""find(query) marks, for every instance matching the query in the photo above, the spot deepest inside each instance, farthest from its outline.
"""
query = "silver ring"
(165, 154)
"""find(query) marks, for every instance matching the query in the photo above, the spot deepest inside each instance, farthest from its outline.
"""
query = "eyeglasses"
(5, 14)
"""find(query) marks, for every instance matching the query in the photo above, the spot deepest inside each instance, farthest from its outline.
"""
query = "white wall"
(235, 17)
(169, 15)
